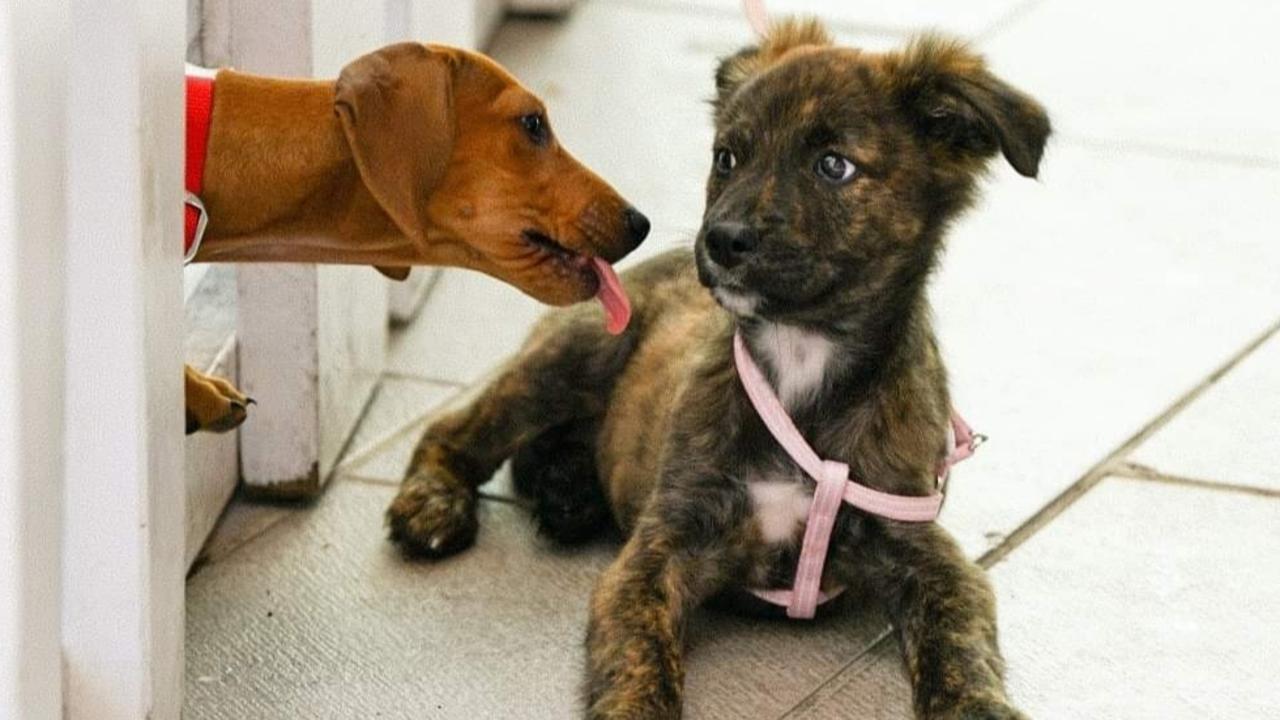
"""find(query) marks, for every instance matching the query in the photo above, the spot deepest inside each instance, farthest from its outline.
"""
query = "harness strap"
(833, 487)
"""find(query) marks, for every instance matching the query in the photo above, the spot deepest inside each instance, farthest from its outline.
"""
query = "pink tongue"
(617, 308)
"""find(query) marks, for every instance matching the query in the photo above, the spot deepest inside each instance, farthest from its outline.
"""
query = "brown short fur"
(416, 155)
(835, 174)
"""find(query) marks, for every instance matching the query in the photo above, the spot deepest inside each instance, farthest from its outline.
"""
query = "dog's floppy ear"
(783, 37)
(954, 99)
(396, 108)
(395, 272)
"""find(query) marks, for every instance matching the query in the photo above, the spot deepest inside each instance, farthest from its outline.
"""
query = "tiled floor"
(1112, 326)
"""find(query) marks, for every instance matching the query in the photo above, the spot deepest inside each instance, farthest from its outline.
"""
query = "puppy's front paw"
(983, 708)
(433, 515)
(213, 404)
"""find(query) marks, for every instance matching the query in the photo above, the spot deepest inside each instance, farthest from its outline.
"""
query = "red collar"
(199, 117)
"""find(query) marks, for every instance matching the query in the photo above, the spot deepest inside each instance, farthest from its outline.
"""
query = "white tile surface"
(1181, 76)
(1146, 601)
(1229, 434)
(470, 324)
(241, 522)
(399, 409)
(1075, 309)
(320, 617)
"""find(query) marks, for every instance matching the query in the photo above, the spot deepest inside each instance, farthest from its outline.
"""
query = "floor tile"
(469, 325)
(241, 522)
(1116, 610)
(874, 687)
(967, 18)
(320, 617)
(1231, 433)
(1146, 601)
(1196, 77)
(399, 410)
(1071, 312)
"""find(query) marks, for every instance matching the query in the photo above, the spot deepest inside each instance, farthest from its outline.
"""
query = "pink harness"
(833, 486)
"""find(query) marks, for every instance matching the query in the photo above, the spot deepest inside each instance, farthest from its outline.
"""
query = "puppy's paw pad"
(433, 518)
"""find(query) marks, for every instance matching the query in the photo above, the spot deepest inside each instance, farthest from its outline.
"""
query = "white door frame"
(33, 43)
(122, 569)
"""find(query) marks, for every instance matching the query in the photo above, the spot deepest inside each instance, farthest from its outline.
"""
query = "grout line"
(1168, 152)
(518, 502)
(1113, 460)
(1138, 471)
(365, 411)
(1113, 464)
(871, 647)
(385, 483)
(1005, 21)
(204, 559)
(384, 441)
(425, 379)
(366, 480)
(381, 443)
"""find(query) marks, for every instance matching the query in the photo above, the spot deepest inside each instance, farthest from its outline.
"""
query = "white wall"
(33, 42)
(122, 558)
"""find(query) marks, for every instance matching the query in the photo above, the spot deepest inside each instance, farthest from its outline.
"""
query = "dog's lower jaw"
(740, 304)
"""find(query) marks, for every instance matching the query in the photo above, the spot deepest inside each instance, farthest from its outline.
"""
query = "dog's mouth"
(742, 303)
(593, 273)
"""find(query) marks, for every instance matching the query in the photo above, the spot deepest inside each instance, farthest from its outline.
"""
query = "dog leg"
(562, 374)
(634, 663)
(688, 544)
(213, 404)
(944, 612)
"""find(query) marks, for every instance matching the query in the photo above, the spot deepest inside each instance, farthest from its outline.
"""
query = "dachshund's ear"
(954, 100)
(783, 37)
(396, 108)
(395, 272)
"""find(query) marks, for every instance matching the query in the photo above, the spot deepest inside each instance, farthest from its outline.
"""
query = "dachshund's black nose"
(637, 224)
(730, 242)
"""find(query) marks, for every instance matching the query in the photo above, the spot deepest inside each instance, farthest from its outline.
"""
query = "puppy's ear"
(783, 37)
(955, 100)
(396, 108)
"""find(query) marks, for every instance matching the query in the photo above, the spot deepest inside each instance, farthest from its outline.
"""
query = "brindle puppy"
(835, 174)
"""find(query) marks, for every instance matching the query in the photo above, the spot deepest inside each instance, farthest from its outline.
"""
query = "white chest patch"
(798, 357)
(780, 507)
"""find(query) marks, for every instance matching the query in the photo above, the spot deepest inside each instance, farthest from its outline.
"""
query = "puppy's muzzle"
(729, 243)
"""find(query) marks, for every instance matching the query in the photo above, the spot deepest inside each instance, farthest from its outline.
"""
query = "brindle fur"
(658, 419)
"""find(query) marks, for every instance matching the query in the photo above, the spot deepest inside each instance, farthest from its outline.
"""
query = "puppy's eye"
(725, 162)
(535, 126)
(835, 168)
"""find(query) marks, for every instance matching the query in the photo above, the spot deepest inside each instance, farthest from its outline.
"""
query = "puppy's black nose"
(730, 242)
(637, 224)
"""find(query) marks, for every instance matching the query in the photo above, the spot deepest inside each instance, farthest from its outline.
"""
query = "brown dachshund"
(416, 155)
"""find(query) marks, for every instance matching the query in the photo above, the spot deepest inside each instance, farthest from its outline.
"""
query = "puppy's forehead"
(826, 86)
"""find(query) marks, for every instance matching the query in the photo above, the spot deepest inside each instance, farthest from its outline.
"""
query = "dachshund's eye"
(535, 126)
(835, 168)
(725, 161)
